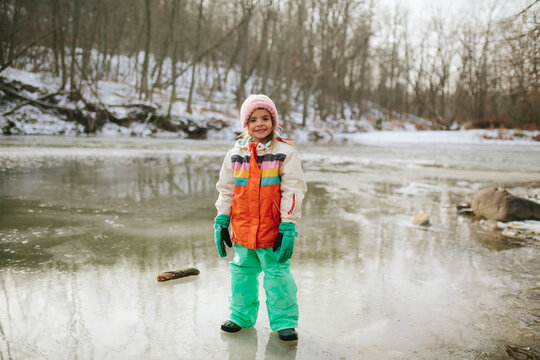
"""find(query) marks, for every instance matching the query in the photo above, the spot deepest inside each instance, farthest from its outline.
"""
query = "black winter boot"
(230, 326)
(288, 334)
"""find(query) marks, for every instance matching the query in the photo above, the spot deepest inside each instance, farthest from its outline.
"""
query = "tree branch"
(209, 49)
(35, 41)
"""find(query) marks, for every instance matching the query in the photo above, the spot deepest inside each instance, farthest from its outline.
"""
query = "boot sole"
(292, 338)
(230, 330)
(288, 337)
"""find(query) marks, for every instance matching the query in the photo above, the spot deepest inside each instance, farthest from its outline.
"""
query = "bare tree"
(328, 56)
(196, 50)
(148, 32)
(243, 41)
(74, 39)
(175, 31)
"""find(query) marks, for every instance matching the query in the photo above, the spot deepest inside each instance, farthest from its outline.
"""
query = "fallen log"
(37, 102)
(177, 274)
(92, 116)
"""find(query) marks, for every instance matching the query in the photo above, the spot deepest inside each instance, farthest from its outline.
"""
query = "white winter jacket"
(279, 164)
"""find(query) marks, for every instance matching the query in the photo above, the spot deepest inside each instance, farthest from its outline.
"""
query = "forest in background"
(328, 55)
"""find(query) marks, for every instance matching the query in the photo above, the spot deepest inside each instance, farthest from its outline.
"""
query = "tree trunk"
(195, 55)
(268, 61)
(144, 71)
(164, 50)
(174, 37)
(87, 46)
(55, 16)
(240, 90)
(74, 38)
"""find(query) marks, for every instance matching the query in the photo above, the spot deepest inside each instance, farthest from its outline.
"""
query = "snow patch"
(38, 80)
(520, 229)
(134, 129)
(33, 121)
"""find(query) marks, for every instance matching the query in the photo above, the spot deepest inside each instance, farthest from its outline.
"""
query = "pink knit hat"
(258, 101)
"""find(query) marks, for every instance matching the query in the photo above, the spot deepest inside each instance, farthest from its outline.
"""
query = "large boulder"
(500, 205)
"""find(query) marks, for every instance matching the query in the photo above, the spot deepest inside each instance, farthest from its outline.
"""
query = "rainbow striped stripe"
(270, 164)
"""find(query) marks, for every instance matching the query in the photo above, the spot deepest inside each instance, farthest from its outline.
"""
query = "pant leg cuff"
(238, 321)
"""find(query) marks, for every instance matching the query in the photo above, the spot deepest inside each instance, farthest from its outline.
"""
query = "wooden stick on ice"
(169, 275)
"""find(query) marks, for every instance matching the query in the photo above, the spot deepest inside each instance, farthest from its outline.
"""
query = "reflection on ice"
(87, 224)
(418, 189)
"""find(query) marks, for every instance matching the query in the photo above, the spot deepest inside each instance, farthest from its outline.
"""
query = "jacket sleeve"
(293, 188)
(225, 187)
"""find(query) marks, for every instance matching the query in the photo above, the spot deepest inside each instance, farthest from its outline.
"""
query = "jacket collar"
(261, 148)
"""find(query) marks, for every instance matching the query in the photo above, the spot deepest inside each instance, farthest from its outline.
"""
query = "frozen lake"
(86, 224)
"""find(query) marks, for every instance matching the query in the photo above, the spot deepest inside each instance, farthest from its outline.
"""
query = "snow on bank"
(33, 121)
(513, 137)
(38, 80)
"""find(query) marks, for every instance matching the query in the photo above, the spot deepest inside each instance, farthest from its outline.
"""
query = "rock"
(500, 205)
(421, 219)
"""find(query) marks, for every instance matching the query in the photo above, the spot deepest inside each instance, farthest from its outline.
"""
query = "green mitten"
(285, 241)
(221, 233)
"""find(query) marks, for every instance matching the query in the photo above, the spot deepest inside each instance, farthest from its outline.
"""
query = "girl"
(261, 187)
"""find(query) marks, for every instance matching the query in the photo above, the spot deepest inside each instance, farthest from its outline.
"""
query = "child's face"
(260, 125)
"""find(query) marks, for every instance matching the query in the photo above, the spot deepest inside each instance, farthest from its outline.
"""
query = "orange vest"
(255, 215)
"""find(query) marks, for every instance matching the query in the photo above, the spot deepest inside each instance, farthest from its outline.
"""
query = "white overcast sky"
(473, 12)
(422, 10)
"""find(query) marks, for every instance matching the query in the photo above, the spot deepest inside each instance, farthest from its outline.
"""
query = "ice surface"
(87, 224)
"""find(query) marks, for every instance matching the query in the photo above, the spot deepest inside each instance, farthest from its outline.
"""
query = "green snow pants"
(278, 284)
